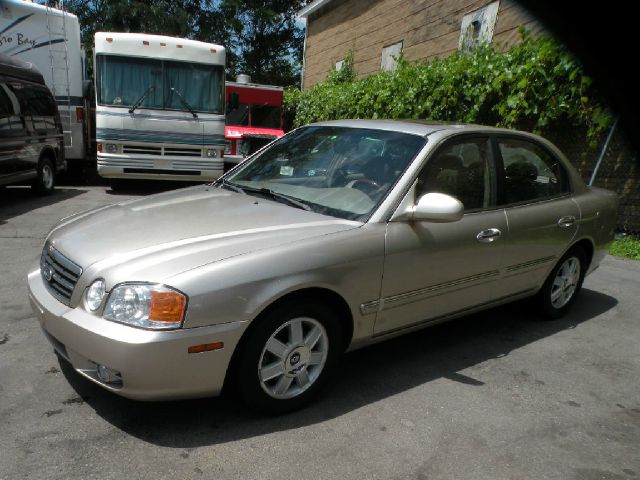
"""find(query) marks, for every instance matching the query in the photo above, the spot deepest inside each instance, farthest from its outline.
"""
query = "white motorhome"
(159, 107)
(49, 38)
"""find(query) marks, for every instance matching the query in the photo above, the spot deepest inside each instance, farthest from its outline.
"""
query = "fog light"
(212, 153)
(108, 375)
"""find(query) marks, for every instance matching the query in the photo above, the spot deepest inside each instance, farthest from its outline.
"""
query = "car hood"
(179, 230)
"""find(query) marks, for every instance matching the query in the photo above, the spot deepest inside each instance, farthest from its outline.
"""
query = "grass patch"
(628, 246)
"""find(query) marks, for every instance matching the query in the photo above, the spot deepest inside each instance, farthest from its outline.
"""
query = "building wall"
(427, 28)
(431, 28)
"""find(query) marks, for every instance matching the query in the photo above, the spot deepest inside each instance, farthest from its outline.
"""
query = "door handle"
(567, 221)
(489, 235)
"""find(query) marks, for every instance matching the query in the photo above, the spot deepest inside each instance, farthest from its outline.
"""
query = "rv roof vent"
(243, 78)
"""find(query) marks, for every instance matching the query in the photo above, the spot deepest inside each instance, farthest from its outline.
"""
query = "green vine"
(537, 85)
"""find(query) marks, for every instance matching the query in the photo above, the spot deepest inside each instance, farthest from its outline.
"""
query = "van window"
(8, 101)
(35, 100)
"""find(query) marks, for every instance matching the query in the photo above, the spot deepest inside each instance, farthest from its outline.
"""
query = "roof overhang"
(312, 7)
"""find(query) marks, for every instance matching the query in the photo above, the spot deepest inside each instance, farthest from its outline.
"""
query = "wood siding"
(427, 28)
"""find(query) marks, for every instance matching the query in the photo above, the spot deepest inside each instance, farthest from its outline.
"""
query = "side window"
(464, 170)
(6, 105)
(530, 172)
(9, 109)
(37, 100)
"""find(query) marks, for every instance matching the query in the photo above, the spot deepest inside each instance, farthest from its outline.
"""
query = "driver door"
(433, 270)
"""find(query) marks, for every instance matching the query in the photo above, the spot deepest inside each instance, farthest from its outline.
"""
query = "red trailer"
(253, 117)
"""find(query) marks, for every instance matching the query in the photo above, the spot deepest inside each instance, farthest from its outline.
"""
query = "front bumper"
(154, 365)
(160, 168)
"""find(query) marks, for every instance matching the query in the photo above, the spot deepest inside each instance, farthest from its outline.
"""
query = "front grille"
(183, 151)
(60, 274)
(158, 171)
(145, 150)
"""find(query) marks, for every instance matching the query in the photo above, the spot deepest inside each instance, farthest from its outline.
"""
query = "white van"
(49, 38)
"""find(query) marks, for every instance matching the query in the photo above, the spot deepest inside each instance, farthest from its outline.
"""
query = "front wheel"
(288, 357)
(563, 284)
(45, 181)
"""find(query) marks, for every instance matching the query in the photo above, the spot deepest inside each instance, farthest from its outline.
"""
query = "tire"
(45, 182)
(118, 185)
(288, 356)
(563, 284)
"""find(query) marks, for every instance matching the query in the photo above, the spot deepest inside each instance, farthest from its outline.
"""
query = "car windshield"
(339, 171)
(124, 81)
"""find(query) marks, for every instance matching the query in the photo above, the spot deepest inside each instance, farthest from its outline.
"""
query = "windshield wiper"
(184, 102)
(230, 186)
(279, 197)
(142, 97)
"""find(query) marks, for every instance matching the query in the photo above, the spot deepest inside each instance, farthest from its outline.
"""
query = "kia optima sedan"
(338, 235)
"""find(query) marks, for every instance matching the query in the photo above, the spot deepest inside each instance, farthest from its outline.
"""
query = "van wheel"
(46, 180)
(288, 357)
(563, 284)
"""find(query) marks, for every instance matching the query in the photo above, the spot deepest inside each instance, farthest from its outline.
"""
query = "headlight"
(95, 295)
(146, 305)
(212, 153)
(111, 148)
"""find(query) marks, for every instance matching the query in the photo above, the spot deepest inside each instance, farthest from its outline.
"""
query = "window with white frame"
(477, 27)
(390, 55)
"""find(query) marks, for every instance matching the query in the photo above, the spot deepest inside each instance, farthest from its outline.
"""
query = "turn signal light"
(167, 306)
(206, 347)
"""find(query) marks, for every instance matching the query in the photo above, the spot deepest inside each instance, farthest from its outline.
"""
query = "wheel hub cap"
(566, 282)
(293, 358)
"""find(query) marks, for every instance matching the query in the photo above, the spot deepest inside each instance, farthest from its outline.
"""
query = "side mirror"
(234, 101)
(87, 85)
(438, 208)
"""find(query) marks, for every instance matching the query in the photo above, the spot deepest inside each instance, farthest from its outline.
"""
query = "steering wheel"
(365, 185)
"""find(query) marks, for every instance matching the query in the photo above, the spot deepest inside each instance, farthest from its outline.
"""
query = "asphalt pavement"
(497, 395)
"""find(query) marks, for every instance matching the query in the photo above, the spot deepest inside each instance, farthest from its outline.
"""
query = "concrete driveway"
(498, 395)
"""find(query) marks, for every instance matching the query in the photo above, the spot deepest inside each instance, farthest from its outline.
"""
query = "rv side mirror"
(86, 88)
(234, 101)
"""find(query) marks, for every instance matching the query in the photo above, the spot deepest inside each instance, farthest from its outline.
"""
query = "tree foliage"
(536, 85)
(261, 37)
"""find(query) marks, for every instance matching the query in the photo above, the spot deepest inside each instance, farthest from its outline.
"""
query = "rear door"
(542, 216)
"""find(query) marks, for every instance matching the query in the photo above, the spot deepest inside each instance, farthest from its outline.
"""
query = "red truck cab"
(253, 117)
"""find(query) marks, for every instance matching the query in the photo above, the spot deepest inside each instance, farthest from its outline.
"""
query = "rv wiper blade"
(142, 97)
(184, 102)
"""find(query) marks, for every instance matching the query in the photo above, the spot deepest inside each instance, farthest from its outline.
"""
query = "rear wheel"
(288, 357)
(46, 180)
(563, 284)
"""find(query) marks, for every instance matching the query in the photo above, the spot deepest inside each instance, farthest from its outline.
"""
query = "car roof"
(416, 127)
(12, 67)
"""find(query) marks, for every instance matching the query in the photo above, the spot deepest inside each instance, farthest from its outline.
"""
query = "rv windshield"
(121, 81)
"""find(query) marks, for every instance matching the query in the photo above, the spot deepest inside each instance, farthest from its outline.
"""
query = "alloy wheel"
(293, 358)
(565, 283)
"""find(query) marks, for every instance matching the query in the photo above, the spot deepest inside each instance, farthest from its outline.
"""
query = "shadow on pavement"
(16, 201)
(363, 377)
(87, 175)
